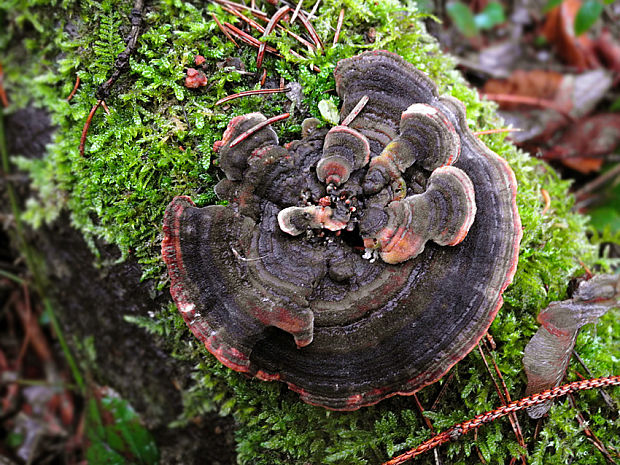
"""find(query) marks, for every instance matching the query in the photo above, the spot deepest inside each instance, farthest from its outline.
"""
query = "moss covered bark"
(157, 143)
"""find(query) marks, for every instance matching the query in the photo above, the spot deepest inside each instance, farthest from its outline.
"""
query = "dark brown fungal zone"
(278, 284)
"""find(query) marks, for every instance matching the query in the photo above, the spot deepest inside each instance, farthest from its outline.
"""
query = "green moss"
(157, 143)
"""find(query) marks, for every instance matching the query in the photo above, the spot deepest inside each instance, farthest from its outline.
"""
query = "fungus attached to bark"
(356, 263)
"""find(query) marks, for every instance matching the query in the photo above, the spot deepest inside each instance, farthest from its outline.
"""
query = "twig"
(122, 60)
(268, 30)
(87, 125)
(223, 29)
(258, 127)
(75, 88)
(598, 182)
(314, 8)
(338, 27)
(300, 39)
(533, 101)
(460, 429)
(245, 93)
(105, 107)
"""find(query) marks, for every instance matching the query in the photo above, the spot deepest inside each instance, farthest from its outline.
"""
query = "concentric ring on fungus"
(356, 263)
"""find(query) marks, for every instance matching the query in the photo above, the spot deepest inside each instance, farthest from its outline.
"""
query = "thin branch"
(313, 35)
(122, 60)
(532, 101)
(606, 397)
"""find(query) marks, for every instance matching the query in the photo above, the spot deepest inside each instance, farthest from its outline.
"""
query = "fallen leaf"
(547, 354)
(584, 144)
(559, 29)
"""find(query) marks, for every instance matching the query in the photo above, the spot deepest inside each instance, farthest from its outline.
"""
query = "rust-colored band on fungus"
(356, 263)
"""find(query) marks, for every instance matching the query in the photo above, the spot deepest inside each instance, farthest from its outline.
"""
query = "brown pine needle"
(87, 125)
(244, 18)
(248, 39)
(338, 27)
(314, 8)
(105, 107)
(313, 35)
(258, 127)
(254, 11)
(296, 12)
(504, 397)
(547, 199)
(300, 39)
(356, 111)
(223, 29)
(245, 93)
(268, 30)
(3, 97)
(458, 430)
(75, 88)
(497, 131)
(263, 78)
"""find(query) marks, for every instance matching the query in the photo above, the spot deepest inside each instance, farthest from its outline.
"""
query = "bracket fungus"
(359, 262)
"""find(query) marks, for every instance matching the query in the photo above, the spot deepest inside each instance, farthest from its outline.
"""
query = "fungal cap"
(432, 133)
(344, 150)
(233, 159)
(443, 214)
(297, 220)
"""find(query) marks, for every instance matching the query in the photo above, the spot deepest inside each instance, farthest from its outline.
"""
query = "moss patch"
(157, 143)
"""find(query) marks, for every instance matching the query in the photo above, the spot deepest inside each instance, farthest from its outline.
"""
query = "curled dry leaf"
(356, 263)
(547, 354)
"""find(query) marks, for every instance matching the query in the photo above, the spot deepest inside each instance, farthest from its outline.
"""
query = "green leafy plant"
(469, 24)
(589, 12)
(115, 434)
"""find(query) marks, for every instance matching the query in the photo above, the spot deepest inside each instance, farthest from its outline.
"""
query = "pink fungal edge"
(172, 256)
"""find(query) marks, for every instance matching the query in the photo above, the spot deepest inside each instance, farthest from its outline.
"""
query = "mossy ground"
(157, 143)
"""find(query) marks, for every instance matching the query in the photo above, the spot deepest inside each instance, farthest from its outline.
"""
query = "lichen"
(157, 143)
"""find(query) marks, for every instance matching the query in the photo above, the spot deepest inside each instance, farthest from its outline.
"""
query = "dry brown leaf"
(560, 31)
